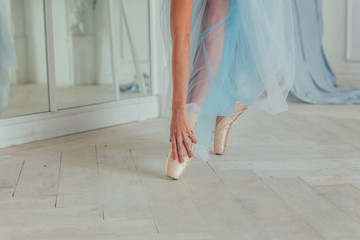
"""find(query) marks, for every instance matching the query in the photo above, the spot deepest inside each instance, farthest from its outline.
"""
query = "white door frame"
(39, 126)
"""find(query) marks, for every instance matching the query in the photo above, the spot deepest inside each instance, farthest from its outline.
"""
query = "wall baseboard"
(346, 76)
(25, 129)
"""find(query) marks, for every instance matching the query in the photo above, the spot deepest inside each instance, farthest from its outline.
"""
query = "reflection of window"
(78, 23)
(29, 41)
(93, 48)
(7, 54)
(28, 91)
(100, 50)
(81, 13)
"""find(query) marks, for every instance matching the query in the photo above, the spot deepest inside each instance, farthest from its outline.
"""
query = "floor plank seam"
(17, 180)
(301, 131)
(222, 181)
(196, 205)
(344, 125)
(320, 195)
(58, 183)
(355, 187)
(277, 198)
(100, 182)
(335, 134)
(145, 194)
(287, 205)
(267, 185)
(207, 162)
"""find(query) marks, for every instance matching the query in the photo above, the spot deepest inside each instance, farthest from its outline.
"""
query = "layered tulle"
(7, 53)
(240, 50)
(315, 82)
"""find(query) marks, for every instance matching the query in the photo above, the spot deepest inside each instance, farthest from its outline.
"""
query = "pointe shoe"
(174, 168)
(222, 129)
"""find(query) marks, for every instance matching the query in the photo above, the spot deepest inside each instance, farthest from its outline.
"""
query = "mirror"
(24, 89)
(101, 49)
(101, 53)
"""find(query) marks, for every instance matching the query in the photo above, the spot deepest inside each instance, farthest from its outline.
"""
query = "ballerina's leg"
(211, 49)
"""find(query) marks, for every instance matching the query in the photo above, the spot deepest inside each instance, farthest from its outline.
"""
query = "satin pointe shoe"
(174, 168)
(223, 127)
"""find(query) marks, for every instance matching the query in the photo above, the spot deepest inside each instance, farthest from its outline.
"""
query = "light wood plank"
(289, 176)
(342, 131)
(334, 179)
(173, 209)
(276, 219)
(6, 193)
(42, 202)
(69, 223)
(121, 184)
(310, 131)
(328, 219)
(39, 177)
(223, 213)
(79, 181)
(345, 196)
(293, 166)
(351, 123)
(9, 171)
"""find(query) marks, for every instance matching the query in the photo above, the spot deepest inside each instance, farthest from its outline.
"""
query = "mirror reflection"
(101, 50)
(24, 90)
(101, 53)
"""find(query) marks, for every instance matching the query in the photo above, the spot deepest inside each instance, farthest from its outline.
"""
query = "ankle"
(193, 107)
(218, 119)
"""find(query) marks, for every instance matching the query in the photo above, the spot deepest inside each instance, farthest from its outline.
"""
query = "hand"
(181, 136)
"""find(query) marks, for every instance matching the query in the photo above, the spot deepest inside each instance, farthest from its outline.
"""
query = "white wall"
(342, 39)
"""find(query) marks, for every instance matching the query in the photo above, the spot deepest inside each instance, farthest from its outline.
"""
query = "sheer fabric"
(240, 50)
(315, 82)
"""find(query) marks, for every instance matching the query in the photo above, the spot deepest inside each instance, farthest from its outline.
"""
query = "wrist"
(179, 110)
(178, 107)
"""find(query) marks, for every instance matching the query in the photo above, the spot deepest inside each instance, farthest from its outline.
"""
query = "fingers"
(184, 148)
(174, 149)
(192, 136)
(180, 149)
(182, 144)
(188, 146)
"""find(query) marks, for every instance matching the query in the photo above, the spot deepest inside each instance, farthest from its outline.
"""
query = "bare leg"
(211, 51)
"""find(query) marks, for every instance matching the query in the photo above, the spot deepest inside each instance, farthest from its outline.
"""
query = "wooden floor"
(292, 176)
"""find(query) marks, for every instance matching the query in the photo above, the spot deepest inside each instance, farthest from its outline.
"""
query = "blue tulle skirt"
(240, 50)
